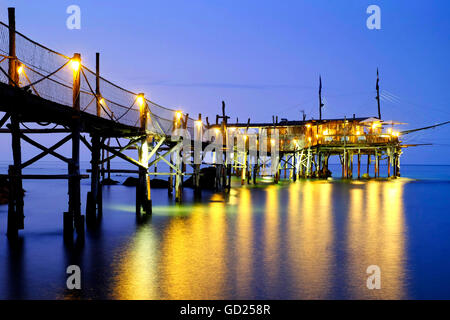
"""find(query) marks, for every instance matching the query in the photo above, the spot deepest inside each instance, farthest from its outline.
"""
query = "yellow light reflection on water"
(136, 276)
(244, 246)
(376, 237)
(193, 254)
(271, 235)
(315, 241)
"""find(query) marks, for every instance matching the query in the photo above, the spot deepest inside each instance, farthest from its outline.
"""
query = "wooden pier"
(59, 94)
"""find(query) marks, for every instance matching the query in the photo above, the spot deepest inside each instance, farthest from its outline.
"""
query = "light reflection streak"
(376, 237)
(193, 254)
(244, 246)
(316, 240)
(137, 272)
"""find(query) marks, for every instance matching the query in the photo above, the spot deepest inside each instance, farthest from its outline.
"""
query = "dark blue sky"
(265, 57)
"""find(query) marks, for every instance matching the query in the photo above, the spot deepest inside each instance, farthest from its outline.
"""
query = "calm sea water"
(304, 240)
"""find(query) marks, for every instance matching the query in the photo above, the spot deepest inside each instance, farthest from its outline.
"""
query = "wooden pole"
(378, 96)
(74, 165)
(320, 98)
(97, 83)
(94, 198)
(15, 210)
(359, 165)
(143, 191)
(398, 164)
(244, 164)
(388, 166)
(377, 165)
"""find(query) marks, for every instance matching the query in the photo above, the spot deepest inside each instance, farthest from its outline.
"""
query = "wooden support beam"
(94, 198)
(178, 189)
(74, 164)
(143, 191)
(37, 131)
(161, 157)
(124, 157)
(126, 147)
(359, 165)
(46, 152)
(4, 119)
(15, 206)
(47, 176)
(86, 143)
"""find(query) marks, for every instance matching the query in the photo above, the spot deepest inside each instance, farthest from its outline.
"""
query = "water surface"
(303, 240)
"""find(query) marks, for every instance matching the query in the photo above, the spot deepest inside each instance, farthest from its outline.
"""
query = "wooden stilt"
(74, 165)
(15, 209)
(143, 191)
(388, 166)
(178, 190)
(244, 165)
(359, 165)
(377, 165)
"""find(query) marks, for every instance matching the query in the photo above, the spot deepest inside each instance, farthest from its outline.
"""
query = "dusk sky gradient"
(264, 58)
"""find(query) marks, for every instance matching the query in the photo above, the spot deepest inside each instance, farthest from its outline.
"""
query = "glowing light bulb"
(102, 101)
(20, 69)
(358, 133)
(325, 132)
(75, 64)
(178, 115)
(198, 123)
(308, 125)
(140, 100)
(217, 130)
(309, 139)
(272, 141)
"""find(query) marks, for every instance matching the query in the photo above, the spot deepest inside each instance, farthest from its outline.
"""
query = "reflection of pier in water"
(317, 244)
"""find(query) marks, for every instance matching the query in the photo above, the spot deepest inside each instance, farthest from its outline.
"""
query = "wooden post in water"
(397, 165)
(359, 164)
(143, 191)
(377, 165)
(94, 197)
(244, 162)
(175, 125)
(74, 165)
(389, 166)
(350, 165)
(197, 156)
(15, 209)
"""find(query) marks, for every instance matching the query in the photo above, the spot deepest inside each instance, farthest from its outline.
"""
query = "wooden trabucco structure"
(304, 147)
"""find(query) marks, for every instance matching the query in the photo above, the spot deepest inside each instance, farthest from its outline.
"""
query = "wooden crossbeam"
(131, 143)
(48, 151)
(27, 131)
(162, 156)
(44, 153)
(155, 149)
(86, 143)
(47, 176)
(4, 119)
(124, 157)
(170, 164)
